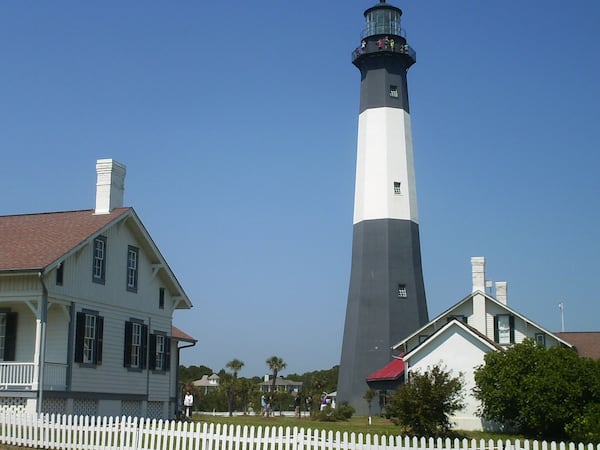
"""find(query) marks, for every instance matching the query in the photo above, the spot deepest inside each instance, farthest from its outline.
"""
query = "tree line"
(236, 393)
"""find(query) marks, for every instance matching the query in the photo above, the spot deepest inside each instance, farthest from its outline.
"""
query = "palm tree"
(235, 365)
(276, 364)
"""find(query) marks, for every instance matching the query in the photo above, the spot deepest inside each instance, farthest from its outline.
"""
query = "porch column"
(37, 353)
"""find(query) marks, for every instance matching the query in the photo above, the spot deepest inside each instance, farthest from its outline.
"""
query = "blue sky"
(237, 122)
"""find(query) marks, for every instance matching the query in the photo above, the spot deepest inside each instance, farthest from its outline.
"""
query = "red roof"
(181, 335)
(392, 371)
(587, 343)
(33, 241)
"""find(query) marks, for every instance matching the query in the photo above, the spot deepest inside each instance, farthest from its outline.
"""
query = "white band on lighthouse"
(385, 177)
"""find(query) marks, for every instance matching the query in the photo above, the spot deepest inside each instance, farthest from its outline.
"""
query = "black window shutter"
(10, 339)
(79, 333)
(511, 321)
(167, 353)
(99, 340)
(152, 360)
(496, 334)
(127, 344)
(144, 346)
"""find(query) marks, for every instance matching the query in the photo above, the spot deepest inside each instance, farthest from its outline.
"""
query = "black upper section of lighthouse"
(383, 57)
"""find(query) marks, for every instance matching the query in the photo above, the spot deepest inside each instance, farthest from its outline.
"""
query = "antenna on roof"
(561, 306)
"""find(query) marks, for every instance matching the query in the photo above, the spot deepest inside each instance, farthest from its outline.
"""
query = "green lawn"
(378, 425)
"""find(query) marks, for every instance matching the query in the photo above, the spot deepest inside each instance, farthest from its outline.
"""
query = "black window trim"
(80, 337)
(128, 344)
(511, 323)
(152, 352)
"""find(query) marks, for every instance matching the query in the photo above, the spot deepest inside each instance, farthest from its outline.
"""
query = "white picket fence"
(127, 433)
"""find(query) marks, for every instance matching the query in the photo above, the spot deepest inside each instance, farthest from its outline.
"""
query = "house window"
(88, 337)
(161, 298)
(159, 352)
(132, 268)
(393, 91)
(59, 274)
(402, 291)
(504, 329)
(136, 336)
(99, 264)
(397, 188)
(540, 338)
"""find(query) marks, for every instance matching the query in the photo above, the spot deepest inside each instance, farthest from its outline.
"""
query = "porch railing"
(20, 376)
(16, 375)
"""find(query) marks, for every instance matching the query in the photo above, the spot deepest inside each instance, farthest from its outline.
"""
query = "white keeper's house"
(86, 307)
(458, 339)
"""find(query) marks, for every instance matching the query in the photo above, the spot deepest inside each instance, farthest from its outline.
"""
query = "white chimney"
(478, 268)
(110, 185)
(501, 292)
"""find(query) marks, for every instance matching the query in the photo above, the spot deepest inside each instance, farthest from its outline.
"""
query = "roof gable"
(35, 242)
(465, 330)
(469, 298)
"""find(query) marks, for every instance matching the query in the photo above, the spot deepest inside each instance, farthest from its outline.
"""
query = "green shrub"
(343, 412)
(586, 428)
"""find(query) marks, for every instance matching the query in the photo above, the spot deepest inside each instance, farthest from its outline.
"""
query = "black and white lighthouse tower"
(386, 298)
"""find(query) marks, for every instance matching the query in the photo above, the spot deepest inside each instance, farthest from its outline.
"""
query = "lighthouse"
(386, 297)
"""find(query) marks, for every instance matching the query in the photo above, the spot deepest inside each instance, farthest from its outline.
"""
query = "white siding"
(456, 351)
(25, 332)
(57, 334)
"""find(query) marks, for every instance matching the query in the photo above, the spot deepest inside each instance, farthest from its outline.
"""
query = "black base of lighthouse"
(386, 302)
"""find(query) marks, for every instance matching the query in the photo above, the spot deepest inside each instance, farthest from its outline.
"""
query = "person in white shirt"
(188, 402)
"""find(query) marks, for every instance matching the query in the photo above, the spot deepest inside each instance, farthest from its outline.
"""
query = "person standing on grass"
(188, 402)
(297, 405)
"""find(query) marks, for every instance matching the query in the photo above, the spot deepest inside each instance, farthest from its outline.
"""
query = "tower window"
(402, 291)
(397, 188)
(393, 91)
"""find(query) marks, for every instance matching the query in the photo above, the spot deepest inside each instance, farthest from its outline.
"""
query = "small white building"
(207, 383)
(458, 339)
(281, 385)
(86, 307)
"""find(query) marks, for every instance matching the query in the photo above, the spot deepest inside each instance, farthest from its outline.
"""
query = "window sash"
(89, 339)
(136, 345)
(132, 268)
(99, 258)
(160, 352)
(504, 329)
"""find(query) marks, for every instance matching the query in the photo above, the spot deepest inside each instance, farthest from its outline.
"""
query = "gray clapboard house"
(86, 307)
